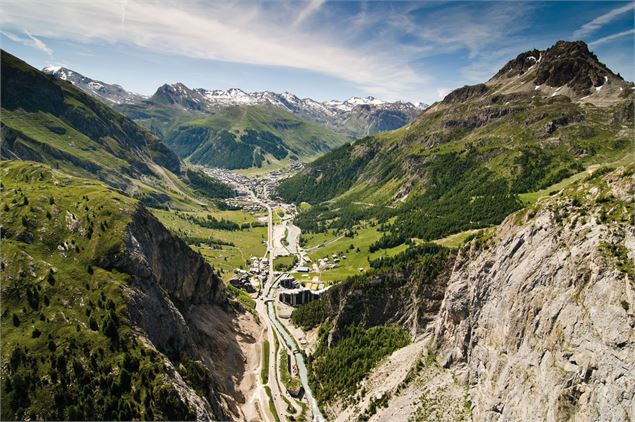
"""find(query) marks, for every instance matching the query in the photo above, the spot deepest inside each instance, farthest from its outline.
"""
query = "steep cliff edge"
(536, 320)
(540, 318)
(105, 314)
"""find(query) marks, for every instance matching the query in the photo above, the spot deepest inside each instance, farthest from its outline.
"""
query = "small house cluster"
(330, 262)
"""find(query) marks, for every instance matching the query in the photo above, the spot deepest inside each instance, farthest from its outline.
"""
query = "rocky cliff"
(168, 280)
(121, 318)
(539, 319)
(536, 320)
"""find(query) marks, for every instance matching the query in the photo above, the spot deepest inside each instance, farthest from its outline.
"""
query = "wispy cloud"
(612, 37)
(240, 32)
(29, 41)
(442, 92)
(311, 7)
(602, 20)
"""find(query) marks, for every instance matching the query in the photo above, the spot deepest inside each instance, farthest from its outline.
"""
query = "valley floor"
(408, 384)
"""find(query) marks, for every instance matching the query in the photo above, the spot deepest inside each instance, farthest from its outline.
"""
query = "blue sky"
(415, 51)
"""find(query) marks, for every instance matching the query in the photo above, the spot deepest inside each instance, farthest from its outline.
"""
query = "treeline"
(211, 222)
(328, 176)
(338, 370)
(537, 169)
(462, 195)
(410, 254)
(197, 240)
(267, 141)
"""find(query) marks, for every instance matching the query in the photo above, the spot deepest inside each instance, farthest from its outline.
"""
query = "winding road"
(266, 311)
(284, 406)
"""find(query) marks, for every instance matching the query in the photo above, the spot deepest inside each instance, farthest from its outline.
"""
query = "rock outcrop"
(172, 287)
(539, 319)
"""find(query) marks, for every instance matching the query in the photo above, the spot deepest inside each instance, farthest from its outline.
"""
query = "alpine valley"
(227, 255)
(234, 129)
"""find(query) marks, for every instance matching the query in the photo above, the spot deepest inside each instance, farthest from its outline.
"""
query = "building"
(289, 283)
(242, 283)
(302, 269)
(298, 297)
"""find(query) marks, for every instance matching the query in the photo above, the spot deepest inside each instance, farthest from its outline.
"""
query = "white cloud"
(382, 48)
(442, 92)
(602, 20)
(238, 32)
(612, 37)
(29, 41)
(311, 7)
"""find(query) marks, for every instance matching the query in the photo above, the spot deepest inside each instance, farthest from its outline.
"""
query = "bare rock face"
(171, 287)
(171, 263)
(465, 93)
(542, 317)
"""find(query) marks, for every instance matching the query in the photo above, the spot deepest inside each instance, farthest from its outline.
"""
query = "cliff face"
(180, 305)
(539, 319)
(536, 320)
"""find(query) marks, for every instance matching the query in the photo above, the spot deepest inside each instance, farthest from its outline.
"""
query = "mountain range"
(467, 160)
(379, 115)
(353, 117)
(200, 125)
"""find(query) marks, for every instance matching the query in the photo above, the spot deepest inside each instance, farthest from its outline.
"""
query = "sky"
(392, 50)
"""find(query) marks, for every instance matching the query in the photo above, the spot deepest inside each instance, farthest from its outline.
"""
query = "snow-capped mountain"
(110, 93)
(355, 116)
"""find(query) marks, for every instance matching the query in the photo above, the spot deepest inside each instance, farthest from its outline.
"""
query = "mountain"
(50, 120)
(298, 128)
(529, 318)
(354, 117)
(468, 161)
(109, 93)
(567, 68)
(231, 136)
(106, 315)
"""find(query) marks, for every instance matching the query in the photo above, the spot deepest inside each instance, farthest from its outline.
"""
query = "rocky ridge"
(355, 116)
(110, 93)
(567, 69)
(536, 322)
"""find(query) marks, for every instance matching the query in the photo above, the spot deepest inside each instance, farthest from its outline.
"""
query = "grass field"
(245, 243)
(355, 249)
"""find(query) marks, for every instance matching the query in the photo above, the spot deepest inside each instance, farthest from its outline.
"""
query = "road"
(256, 191)
(275, 328)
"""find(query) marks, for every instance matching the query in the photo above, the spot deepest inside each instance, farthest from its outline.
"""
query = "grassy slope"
(301, 138)
(366, 179)
(245, 243)
(364, 236)
(65, 333)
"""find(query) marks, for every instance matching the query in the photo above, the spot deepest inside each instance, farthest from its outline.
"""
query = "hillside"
(106, 315)
(526, 321)
(235, 136)
(466, 161)
(287, 125)
(49, 120)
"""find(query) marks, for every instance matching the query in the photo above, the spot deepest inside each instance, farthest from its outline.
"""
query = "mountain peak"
(567, 64)
(108, 93)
